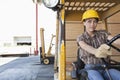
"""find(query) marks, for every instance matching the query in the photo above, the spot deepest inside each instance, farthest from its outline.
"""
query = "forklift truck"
(68, 27)
(46, 58)
(70, 11)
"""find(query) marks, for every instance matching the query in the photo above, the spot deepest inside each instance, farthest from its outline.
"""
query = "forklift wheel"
(46, 61)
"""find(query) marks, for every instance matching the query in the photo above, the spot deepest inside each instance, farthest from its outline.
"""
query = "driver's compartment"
(74, 29)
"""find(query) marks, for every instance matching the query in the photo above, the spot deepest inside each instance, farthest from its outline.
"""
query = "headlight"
(50, 3)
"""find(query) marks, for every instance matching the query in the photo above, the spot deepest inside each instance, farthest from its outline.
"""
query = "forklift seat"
(78, 71)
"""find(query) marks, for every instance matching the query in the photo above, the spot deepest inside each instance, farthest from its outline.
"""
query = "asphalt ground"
(26, 68)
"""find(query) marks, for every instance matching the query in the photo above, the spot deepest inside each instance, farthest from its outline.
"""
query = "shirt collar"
(88, 36)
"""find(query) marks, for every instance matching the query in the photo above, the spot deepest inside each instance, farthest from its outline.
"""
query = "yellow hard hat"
(90, 14)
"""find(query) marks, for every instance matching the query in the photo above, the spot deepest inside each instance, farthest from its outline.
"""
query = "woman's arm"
(87, 47)
(101, 52)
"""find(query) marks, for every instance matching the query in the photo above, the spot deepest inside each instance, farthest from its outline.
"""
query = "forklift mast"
(42, 43)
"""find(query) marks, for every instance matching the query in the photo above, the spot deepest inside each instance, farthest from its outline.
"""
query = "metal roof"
(75, 8)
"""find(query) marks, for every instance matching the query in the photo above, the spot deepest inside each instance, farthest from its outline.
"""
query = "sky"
(18, 18)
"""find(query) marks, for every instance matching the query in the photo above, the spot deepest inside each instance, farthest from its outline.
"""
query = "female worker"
(93, 47)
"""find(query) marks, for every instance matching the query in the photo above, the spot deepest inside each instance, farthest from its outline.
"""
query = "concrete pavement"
(26, 68)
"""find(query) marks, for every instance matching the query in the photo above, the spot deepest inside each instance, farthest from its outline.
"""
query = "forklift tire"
(46, 61)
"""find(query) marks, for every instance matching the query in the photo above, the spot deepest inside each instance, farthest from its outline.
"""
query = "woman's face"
(90, 24)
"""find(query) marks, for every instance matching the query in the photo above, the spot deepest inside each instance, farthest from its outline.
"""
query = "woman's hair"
(95, 18)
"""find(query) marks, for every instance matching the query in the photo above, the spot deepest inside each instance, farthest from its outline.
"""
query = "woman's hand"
(103, 51)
